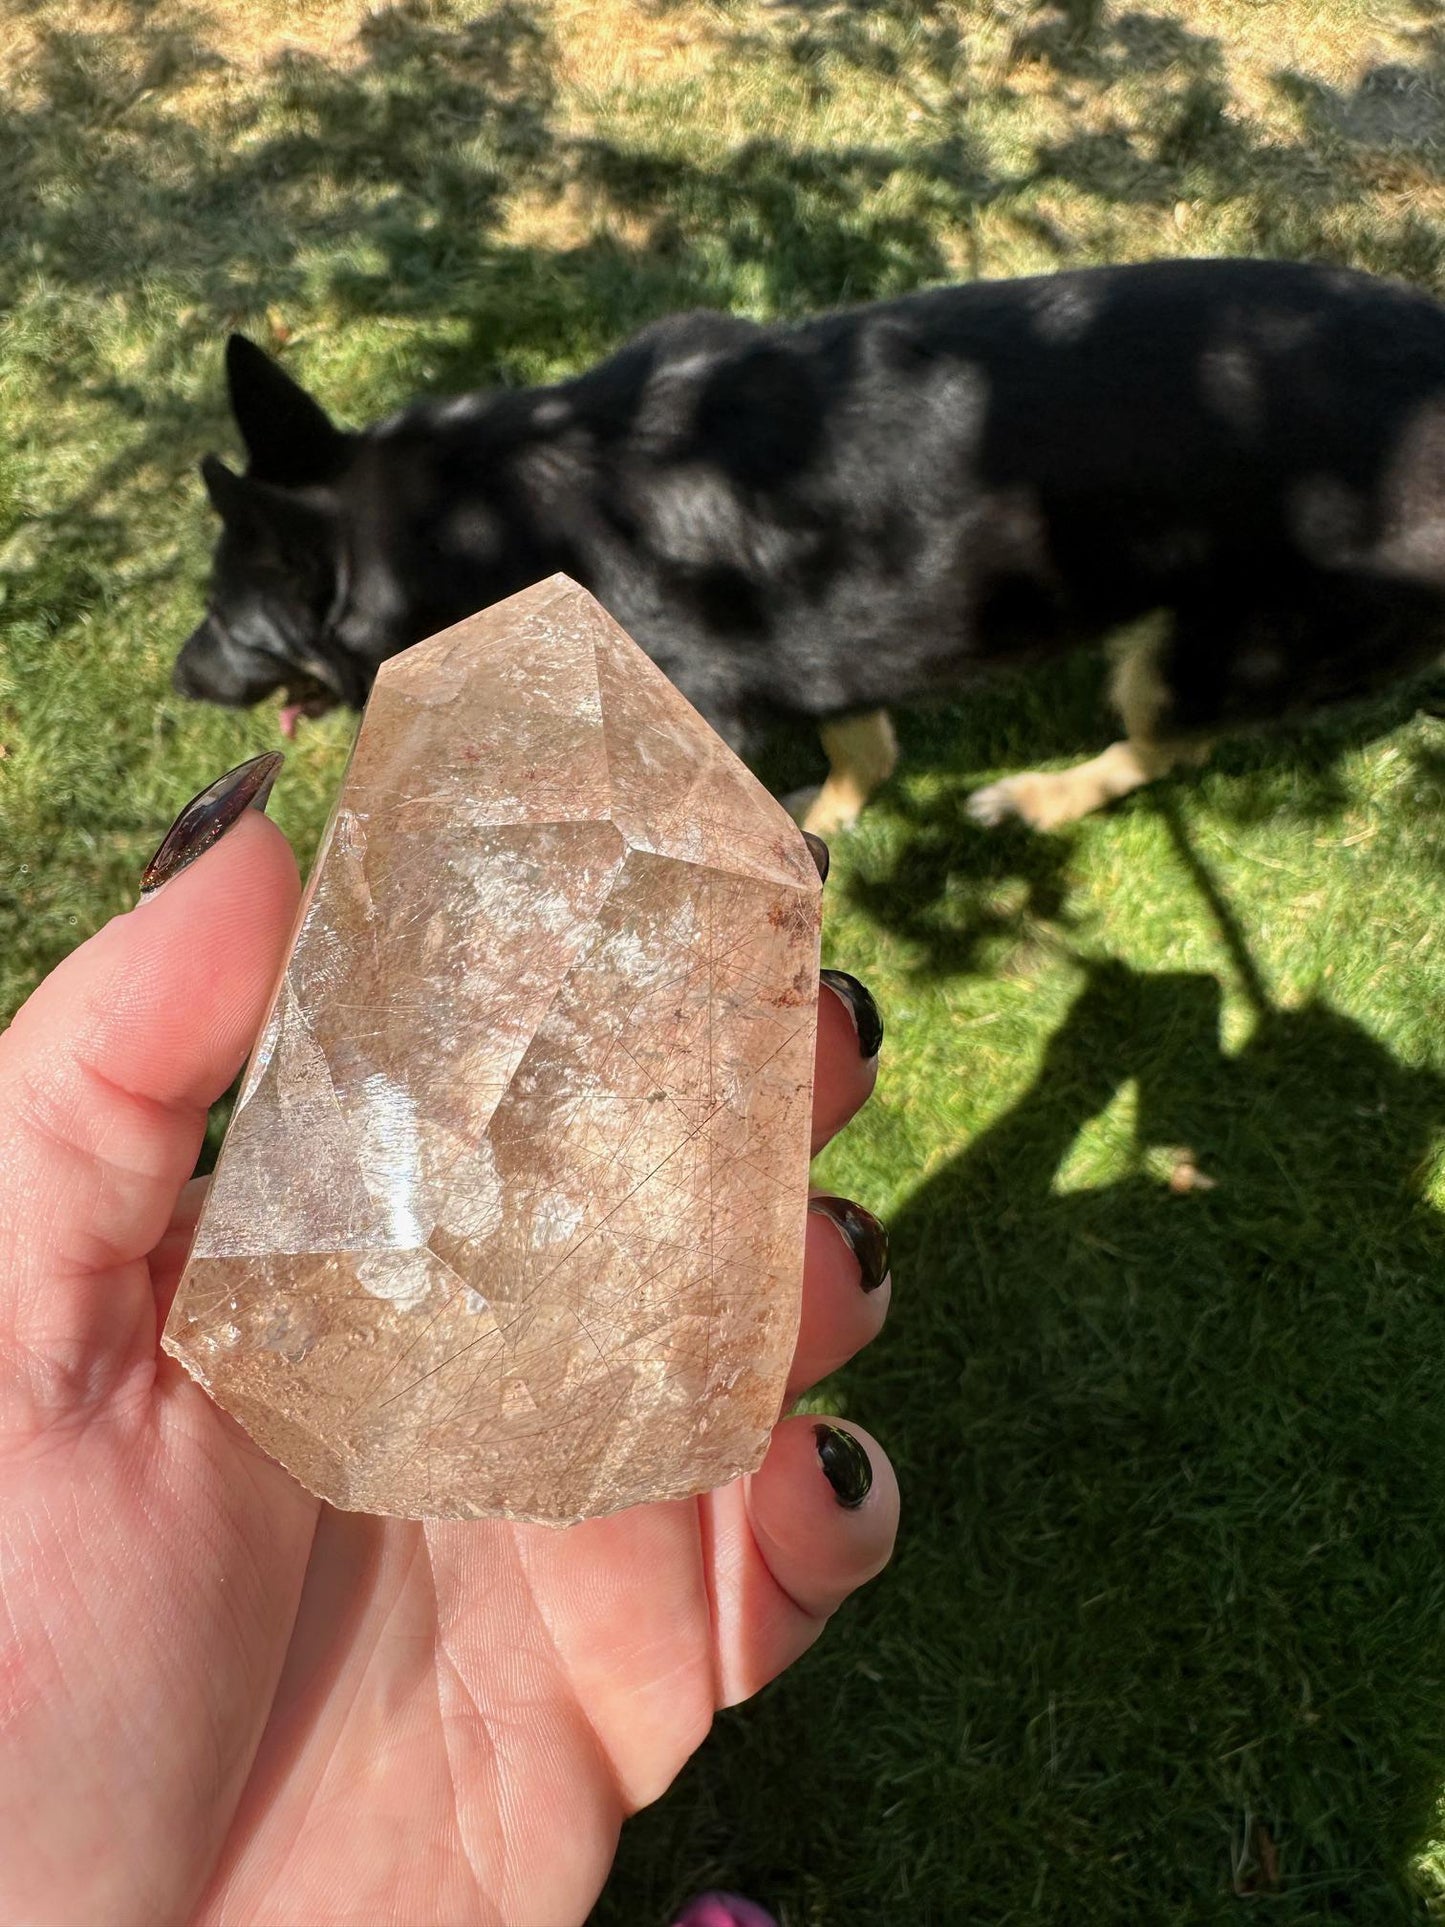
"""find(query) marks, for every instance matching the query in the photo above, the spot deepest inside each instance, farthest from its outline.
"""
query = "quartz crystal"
(509, 1218)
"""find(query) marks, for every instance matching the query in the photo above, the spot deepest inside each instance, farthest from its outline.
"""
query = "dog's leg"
(862, 752)
(1046, 799)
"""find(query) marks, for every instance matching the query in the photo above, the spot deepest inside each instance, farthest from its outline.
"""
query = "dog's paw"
(1044, 799)
(827, 815)
(996, 804)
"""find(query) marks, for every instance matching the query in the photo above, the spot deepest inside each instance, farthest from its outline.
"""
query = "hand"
(223, 1702)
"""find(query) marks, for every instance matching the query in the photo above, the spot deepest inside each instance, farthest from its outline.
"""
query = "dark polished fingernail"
(845, 1465)
(818, 850)
(207, 817)
(867, 1020)
(867, 1238)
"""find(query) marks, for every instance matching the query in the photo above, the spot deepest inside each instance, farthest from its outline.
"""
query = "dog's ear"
(267, 517)
(290, 439)
(230, 497)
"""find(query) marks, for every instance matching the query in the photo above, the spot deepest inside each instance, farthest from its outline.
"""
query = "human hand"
(224, 1702)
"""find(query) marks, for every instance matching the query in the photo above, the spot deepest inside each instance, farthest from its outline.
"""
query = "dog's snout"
(184, 682)
(206, 672)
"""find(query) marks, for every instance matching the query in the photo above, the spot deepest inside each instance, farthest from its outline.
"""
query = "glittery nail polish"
(208, 816)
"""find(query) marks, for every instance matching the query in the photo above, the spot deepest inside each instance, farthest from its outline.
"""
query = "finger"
(791, 1543)
(845, 1068)
(105, 1079)
(847, 1289)
(168, 1257)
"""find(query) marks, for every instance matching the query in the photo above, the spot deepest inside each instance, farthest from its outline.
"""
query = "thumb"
(106, 1076)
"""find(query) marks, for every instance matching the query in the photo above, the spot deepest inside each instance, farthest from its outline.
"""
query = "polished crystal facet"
(509, 1218)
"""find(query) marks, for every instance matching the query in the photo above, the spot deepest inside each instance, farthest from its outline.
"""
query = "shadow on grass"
(377, 182)
(1396, 107)
(419, 131)
(1167, 1622)
(253, 205)
(1185, 140)
(966, 898)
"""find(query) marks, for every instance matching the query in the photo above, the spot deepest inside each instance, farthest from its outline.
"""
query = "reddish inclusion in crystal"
(509, 1219)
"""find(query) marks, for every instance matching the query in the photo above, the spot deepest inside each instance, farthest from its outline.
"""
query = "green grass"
(1165, 1638)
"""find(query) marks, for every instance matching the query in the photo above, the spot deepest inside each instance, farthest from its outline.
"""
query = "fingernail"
(867, 1238)
(867, 1020)
(818, 850)
(845, 1465)
(207, 817)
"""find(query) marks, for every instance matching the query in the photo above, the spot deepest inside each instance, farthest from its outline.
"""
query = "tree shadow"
(377, 180)
(232, 205)
(793, 213)
(1085, 39)
(232, 192)
(1395, 108)
(1167, 1622)
(969, 899)
(1184, 139)
(815, 32)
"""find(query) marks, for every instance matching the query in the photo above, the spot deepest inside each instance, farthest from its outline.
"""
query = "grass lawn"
(1159, 1134)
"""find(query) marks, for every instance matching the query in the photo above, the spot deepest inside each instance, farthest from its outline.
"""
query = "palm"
(223, 1702)
(465, 1716)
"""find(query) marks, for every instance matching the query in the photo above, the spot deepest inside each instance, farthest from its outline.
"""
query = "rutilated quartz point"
(509, 1219)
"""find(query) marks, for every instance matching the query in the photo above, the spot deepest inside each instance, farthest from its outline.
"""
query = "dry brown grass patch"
(607, 45)
(244, 34)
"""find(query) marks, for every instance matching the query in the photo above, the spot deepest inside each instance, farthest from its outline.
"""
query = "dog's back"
(1079, 445)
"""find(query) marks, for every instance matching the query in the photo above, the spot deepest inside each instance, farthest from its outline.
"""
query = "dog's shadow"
(1172, 1451)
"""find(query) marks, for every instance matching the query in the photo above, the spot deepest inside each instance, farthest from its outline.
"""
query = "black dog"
(877, 505)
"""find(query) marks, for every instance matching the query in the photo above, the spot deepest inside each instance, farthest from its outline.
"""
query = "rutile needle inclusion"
(509, 1219)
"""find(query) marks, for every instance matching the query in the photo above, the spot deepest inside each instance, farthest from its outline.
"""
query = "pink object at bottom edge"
(723, 1910)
